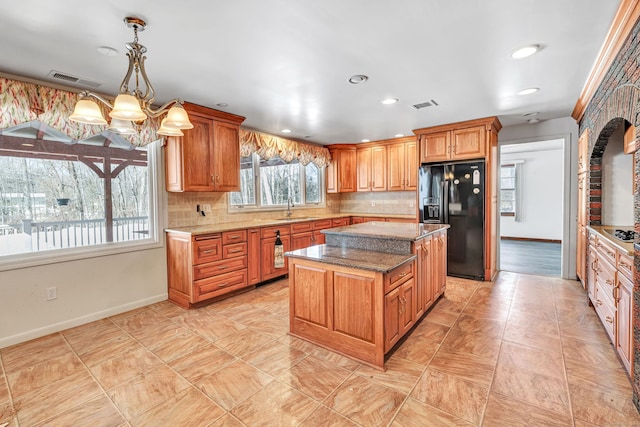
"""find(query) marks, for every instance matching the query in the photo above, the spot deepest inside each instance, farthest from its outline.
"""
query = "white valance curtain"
(22, 102)
(269, 146)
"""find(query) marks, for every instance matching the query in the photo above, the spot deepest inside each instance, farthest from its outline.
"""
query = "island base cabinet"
(339, 308)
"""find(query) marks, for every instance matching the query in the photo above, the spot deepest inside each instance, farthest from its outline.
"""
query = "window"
(274, 182)
(56, 197)
(508, 190)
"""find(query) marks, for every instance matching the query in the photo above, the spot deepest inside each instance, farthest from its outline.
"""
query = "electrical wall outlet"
(206, 208)
(411, 203)
(52, 293)
(373, 203)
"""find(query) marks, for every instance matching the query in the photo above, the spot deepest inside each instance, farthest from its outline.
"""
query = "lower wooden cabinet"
(399, 313)
(267, 254)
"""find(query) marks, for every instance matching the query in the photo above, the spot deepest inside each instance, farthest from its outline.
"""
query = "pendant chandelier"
(135, 105)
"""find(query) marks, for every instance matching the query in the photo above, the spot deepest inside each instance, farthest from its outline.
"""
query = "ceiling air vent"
(72, 79)
(430, 103)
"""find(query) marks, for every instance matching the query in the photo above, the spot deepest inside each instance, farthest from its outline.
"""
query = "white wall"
(88, 289)
(540, 209)
(617, 182)
(567, 129)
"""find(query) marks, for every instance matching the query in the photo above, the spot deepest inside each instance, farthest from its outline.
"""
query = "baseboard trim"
(71, 323)
(530, 239)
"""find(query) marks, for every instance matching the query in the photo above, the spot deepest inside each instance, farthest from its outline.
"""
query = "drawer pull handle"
(234, 251)
(401, 275)
(625, 265)
(599, 302)
(609, 319)
(224, 285)
(208, 251)
(609, 282)
(235, 236)
(223, 267)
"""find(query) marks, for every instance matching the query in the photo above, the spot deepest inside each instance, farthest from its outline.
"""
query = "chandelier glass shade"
(135, 105)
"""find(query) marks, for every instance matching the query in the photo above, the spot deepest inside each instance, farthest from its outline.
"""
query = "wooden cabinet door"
(197, 155)
(226, 146)
(396, 168)
(583, 152)
(581, 258)
(392, 306)
(592, 269)
(411, 166)
(421, 275)
(363, 169)
(435, 147)
(430, 266)
(332, 173)
(624, 321)
(301, 240)
(408, 311)
(440, 260)
(347, 171)
(468, 143)
(379, 168)
(267, 256)
(253, 256)
(582, 200)
(173, 164)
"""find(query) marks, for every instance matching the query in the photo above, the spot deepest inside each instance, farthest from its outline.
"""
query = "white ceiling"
(285, 64)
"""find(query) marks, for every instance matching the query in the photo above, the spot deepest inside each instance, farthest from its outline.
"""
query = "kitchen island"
(366, 287)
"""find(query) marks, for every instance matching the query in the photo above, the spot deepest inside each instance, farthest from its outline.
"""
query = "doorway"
(531, 207)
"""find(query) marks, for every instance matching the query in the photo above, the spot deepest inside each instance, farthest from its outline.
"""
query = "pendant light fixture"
(132, 106)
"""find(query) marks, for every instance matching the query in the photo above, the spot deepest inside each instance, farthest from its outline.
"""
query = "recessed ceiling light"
(389, 101)
(222, 104)
(399, 135)
(107, 51)
(365, 140)
(357, 79)
(525, 51)
(286, 130)
(535, 113)
(528, 91)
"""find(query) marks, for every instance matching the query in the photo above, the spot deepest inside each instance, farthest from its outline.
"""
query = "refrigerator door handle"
(445, 202)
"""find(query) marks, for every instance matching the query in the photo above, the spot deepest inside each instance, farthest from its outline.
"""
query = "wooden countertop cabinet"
(207, 157)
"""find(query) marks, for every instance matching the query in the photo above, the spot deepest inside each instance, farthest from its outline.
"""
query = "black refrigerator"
(453, 193)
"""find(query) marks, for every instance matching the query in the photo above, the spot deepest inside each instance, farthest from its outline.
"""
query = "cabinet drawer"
(301, 227)
(236, 250)
(339, 222)
(219, 285)
(321, 225)
(207, 250)
(398, 276)
(237, 236)
(606, 279)
(605, 250)
(625, 265)
(203, 271)
(606, 311)
(269, 232)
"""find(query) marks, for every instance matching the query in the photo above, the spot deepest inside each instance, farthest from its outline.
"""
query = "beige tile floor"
(523, 350)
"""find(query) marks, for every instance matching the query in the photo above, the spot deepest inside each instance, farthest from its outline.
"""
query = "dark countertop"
(267, 222)
(354, 258)
(387, 230)
(626, 247)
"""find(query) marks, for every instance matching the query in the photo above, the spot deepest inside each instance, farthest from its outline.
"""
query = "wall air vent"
(72, 79)
(430, 103)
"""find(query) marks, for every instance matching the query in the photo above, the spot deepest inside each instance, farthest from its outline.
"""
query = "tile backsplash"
(182, 207)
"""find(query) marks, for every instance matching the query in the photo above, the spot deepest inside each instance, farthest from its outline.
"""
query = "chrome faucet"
(289, 206)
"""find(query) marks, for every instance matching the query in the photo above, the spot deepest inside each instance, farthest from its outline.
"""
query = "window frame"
(259, 207)
(514, 189)
(157, 222)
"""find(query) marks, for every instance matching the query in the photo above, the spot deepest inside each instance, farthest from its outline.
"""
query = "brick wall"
(617, 101)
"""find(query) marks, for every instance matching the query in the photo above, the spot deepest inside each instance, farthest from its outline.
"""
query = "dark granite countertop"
(354, 258)
(387, 230)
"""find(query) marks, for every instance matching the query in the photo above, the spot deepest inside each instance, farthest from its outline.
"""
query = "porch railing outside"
(38, 236)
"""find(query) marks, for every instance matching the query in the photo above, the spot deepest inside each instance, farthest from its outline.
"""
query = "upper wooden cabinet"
(583, 152)
(402, 167)
(207, 157)
(341, 172)
(371, 168)
(457, 141)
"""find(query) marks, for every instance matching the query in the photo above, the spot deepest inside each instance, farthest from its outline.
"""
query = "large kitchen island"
(366, 287)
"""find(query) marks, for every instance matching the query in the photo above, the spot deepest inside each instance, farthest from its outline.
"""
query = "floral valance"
(269, 146)
(22, 102)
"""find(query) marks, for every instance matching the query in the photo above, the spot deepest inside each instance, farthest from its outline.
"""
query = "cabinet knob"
(609, 319)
